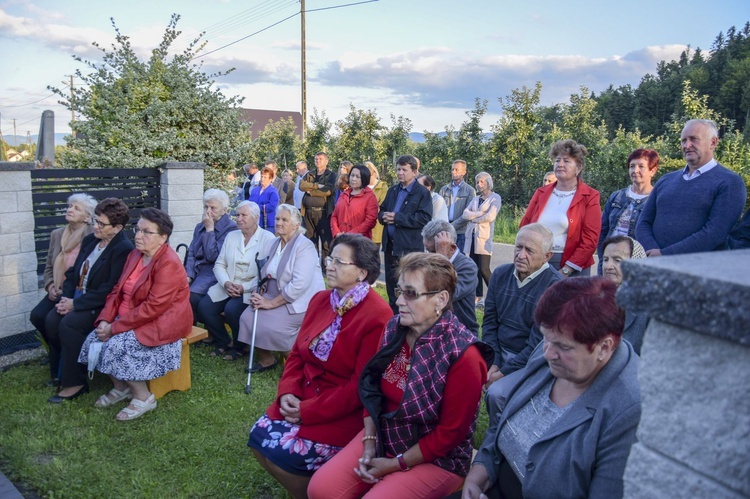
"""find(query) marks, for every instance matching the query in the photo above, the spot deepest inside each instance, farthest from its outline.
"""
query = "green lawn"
(193, 445)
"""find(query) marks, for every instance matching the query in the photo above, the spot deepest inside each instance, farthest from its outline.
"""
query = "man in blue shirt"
(405, 211)
(457, 195)
(693, 209)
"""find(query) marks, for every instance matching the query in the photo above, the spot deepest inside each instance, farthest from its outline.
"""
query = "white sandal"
(141, 407)
(113, 396)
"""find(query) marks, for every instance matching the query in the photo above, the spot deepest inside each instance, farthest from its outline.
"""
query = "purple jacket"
(203, 252)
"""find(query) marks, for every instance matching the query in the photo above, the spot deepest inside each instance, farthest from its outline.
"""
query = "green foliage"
(138, 113)
(279, 142)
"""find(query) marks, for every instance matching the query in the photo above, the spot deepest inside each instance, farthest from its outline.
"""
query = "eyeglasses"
(145, 232)
(337, 262)
(101, 224)
(411, 295)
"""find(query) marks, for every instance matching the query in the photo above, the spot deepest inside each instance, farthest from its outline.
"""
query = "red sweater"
(356, 214)
(584, 222)
(160, 310)
(331, 411)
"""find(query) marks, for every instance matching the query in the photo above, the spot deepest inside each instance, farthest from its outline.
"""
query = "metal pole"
(304, 72)
(72, 108)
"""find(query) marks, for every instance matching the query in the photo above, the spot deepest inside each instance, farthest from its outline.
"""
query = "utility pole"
(304, 72)
(72, 109)
(15, 145)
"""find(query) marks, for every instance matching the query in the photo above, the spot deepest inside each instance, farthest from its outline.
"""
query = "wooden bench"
(179, 379)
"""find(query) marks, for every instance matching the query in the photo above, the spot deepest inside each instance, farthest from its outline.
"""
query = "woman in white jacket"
(237, 276)
(480, 230)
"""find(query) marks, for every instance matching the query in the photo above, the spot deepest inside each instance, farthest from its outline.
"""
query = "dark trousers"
(483, 268)
(38, 317)
(67, 334)
(460, 242)
(318, 228)
(210, 314)
(195, 299)
(391, 265)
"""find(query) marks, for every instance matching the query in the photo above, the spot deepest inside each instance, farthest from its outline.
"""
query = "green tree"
(392, 143)
(358, 135)
(318, 137)
(141, 113)
(278, 141)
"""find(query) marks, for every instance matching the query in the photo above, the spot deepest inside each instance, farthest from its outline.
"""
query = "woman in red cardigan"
(317, 409)
(357, 209)
(570, 209)
(138, 333)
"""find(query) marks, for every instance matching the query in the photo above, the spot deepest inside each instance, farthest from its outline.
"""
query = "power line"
(340, 6)
(30, 103)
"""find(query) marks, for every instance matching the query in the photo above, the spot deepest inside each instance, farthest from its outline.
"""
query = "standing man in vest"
(693, 209)
(318, 204)
(457, 195)
(407, 208)
(298, 193)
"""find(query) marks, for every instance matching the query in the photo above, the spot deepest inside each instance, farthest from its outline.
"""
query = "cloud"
(250, 72)
(441, 77)
(52, 35)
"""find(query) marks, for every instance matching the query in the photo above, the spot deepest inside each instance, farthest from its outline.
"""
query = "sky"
(426, 60)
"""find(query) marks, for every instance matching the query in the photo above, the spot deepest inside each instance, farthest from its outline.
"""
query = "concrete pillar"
(18, 279)
(694, 435)
(182, 198)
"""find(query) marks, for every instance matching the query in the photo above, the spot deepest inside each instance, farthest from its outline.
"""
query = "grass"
(193, 445)
(506, 227)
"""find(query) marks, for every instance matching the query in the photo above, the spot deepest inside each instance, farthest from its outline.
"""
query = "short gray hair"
(543, 232)
(252, 206)
(435, 227)
(216, 195)
(88, 202)
(294, 213)
(487, 177)
(713, 129)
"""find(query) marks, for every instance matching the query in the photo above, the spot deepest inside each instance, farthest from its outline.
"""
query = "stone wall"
(694, 436)
(181, 197)
(18, 278)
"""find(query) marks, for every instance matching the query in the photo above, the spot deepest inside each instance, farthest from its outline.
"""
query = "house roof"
(260, 118)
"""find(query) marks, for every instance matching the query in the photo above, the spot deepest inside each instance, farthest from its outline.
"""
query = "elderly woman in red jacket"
(138, 333)
(357, 208)
(570, 209)
(317, 409)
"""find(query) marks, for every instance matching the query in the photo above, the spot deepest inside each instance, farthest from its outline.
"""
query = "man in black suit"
(407, 208)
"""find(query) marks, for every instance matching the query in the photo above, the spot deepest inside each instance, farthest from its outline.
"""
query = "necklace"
(561, 196)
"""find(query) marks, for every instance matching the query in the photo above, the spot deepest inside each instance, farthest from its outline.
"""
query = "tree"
(318, 137)
(141, 113)
(278, 142)
(393, 142)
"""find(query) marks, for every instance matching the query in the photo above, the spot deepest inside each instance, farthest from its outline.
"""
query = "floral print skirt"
(279, 443)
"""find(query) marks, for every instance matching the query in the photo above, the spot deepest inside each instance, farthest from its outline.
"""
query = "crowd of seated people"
(374, 400)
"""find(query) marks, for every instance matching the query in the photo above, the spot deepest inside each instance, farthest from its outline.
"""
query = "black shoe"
(58, 399)
(259, 368)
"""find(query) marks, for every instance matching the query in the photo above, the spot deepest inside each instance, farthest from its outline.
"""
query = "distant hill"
(419, 137)
(59, 139)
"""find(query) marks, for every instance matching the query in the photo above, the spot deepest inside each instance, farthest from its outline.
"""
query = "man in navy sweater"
(693, 209)
(514, 289)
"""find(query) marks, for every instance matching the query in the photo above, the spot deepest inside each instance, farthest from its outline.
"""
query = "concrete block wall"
(18, 278)
(181, 198)
(694, 435)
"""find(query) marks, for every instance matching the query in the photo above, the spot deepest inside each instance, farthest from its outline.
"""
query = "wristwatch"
(565, 271)
(402, 463)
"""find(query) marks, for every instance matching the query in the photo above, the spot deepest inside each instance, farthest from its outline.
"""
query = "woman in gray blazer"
(568, 425)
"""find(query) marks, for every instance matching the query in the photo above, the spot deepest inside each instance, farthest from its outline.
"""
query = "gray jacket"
(583, 454)
(465, 194)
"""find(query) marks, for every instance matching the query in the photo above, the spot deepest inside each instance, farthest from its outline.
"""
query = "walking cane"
(261, 282)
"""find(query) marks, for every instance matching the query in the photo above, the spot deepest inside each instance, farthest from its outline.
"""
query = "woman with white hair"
(237, 277)
(481, 213)
(294, 276)
(205, 247)
(64, 245)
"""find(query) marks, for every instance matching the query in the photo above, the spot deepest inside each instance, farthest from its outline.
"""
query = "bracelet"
(402, 463)
(369, 437)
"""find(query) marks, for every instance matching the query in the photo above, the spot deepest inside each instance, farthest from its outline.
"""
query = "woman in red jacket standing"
(570, 209)
(138, 333)
(317, 409)
(357, 209)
